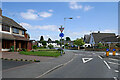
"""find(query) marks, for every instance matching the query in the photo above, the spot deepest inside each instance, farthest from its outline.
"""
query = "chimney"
(0, 12)
(98, 31)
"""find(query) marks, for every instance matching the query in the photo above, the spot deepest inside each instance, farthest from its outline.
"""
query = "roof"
(20, 38)
(99, 36)
(110, 39)
(86, 38)
(7, 36)
(11, 22)
(12, 37)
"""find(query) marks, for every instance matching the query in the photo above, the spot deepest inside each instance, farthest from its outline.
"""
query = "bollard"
(107, 52)
(114, 51)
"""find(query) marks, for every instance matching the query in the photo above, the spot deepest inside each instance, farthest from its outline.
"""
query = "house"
(105, 38)
(87, 40)
(13, 35)
(49, 43)
(34, 42)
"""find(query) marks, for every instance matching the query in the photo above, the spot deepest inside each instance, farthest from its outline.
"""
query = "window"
(5, 28)
(15, 30)
(23, 32)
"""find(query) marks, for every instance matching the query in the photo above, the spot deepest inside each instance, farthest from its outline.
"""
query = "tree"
(58, 42)
(68, 39)
(44, 43)
(34, 46)
(100, 45)
(79, 42)
(62, 39)
(50, 46)
(49, 40)
(41, 38)
(66, 44)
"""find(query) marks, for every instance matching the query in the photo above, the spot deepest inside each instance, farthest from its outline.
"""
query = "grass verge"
(42, 53)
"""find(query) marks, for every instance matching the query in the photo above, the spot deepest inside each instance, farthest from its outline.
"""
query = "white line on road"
(113, 59)
(100, 57)
(50, 70)
(115, 78)
(116, 71)
(113, 63)
(68, 62)
(55, 68)
(107, 65)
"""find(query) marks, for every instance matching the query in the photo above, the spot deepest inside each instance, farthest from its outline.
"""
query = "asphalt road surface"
(6, 64)
(85, 65)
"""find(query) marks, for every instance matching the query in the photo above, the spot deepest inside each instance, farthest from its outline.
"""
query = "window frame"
(15, 30)
(5, 28)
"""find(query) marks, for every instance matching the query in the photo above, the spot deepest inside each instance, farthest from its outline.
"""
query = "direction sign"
(61, 35)
(61, 29)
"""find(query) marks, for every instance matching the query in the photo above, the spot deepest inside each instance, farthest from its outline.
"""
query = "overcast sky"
(44, 18)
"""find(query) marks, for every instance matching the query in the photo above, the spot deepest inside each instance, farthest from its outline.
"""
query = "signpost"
(61, 35)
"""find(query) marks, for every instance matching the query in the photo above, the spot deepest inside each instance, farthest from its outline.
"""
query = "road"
(75, 64)
(97, 67)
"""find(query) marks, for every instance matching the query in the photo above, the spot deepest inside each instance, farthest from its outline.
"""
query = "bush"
(11, 59)
(23, 49)
(50, 46)
(34, 46)
(21, 59)
(100, 45)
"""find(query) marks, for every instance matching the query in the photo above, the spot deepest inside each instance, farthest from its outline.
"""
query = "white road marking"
(115, 78)
(55, 68)
(113, 63)
(93, 53)
(50, 70)
(113, 59)
(116, 71)
(107, 65)
(100, 57)
(88, 59)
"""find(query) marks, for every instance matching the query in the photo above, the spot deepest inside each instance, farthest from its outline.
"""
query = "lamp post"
(64, 27)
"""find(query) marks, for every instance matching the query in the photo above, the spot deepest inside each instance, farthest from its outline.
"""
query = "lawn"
(41, 53)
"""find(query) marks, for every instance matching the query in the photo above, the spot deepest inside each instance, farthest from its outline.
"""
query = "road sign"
(61, 35)
(107, 50)
(114, 50)
(61, 29)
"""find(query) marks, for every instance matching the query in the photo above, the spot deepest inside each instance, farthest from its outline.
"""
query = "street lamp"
(64, 28)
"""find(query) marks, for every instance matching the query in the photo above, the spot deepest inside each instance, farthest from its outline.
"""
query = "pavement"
(35, 70)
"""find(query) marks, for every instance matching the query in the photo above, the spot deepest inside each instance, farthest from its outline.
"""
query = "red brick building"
(13, 35)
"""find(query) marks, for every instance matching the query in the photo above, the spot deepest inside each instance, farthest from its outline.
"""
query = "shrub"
(37, 61)
(21, 59)
(6, 59)
(11, 59)
(34, 46)
(100, 45)
(30, 60)
(23, 49)
(50, 46)
(16, 60)
(26, 60)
